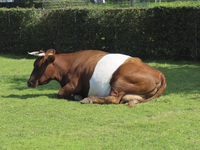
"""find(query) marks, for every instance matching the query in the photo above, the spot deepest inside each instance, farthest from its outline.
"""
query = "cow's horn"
(36, 54)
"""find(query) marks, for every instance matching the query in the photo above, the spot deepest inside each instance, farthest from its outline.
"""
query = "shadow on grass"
(197, 98)
(20, 83)
(181, 77)
(27, 96)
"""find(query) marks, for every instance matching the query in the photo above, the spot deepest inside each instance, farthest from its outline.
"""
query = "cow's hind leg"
(131, 99)
(102, 100)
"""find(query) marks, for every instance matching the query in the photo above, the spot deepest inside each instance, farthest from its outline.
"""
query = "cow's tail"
(160, 91)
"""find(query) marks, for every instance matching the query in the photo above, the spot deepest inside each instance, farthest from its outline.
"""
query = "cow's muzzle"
(29, 84)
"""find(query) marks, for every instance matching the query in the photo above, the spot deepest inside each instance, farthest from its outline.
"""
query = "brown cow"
(98, 77)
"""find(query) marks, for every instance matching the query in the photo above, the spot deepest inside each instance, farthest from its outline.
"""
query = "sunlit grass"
(36, 119)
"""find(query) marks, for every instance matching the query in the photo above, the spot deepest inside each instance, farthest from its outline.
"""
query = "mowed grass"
(36, 119)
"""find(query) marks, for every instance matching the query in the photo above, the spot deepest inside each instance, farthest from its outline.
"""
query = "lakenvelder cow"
(98, 77)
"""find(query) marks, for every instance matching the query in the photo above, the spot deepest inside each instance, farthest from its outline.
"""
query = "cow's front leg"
(67, 92)
(63, 94)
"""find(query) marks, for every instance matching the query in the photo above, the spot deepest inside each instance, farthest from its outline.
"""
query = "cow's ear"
(51, 58)
(51, 52)
(50, 55)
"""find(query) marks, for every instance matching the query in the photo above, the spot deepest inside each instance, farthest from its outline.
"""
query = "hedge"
(159, 32)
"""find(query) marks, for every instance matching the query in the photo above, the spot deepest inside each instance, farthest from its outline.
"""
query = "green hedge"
(177, 31)
(148, 33)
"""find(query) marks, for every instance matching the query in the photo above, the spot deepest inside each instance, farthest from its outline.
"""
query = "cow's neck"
(62, 65)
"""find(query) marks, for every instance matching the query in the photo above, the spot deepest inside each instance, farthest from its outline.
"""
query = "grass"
(36, 119)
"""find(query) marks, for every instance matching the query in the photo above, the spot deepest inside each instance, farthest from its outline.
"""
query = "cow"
(94, 76)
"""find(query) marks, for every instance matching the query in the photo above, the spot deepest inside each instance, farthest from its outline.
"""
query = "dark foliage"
(170, 33)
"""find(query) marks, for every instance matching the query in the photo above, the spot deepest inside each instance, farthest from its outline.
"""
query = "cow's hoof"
(86, 101)
(77, 97)
(132, 104)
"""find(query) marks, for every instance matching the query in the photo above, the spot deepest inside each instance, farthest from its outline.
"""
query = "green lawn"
(36, 119)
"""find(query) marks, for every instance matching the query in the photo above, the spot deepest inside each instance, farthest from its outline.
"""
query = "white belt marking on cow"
(99, 82)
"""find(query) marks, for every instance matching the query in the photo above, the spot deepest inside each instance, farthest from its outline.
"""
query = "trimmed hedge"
(177, 32)
(148, 33)
(44, 4)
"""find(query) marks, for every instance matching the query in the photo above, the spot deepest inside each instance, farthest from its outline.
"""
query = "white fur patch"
(99, 82)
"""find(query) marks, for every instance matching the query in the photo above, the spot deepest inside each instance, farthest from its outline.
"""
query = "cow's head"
(44, 70)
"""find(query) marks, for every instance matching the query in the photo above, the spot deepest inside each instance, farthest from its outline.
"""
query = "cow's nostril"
(28, 84)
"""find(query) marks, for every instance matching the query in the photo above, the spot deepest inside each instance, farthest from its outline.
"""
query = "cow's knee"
(62, 95)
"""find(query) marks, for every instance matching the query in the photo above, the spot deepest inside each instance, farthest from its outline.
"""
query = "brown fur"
(133, 82)
(73, 71)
